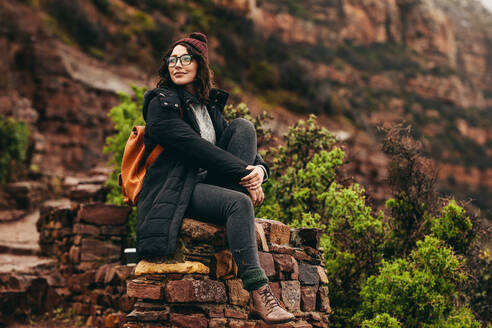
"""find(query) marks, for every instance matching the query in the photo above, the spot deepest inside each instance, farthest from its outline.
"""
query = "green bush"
(381, 321)
(454, 227)
(412, 179)
(418, 292)
(124, 116)
(14, 141)
(302, 191)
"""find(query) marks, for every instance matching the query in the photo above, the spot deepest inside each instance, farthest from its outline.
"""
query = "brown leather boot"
(264, 304)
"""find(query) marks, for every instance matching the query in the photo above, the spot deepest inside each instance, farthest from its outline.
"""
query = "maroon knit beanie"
(198, 41)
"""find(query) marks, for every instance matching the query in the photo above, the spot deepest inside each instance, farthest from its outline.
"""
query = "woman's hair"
(204, 75)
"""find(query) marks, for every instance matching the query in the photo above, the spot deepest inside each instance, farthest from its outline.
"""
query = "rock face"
(65, 93)
(191, 299)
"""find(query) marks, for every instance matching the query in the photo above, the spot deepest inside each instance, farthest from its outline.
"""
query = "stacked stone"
(99, 232)
(55, 226)
(100, 295)
(180, 292)
(27, 194)
(83, 236)
(88, 240)
(87, 189)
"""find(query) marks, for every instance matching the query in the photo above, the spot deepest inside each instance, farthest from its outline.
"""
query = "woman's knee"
(242, 125)
(243, 204)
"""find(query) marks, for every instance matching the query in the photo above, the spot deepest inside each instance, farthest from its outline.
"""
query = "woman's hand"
(254, 179)
(257, 195)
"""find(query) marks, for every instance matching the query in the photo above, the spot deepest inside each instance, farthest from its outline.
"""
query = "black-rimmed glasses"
(173, 60)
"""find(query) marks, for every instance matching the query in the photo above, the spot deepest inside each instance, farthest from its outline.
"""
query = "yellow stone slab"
(145, 267)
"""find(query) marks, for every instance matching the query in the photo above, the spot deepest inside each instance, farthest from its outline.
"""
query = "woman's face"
(182, 75)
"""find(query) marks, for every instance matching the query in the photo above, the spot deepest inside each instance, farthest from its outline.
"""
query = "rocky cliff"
(355, 63)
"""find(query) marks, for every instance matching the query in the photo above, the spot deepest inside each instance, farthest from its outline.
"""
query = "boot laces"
(269, 299)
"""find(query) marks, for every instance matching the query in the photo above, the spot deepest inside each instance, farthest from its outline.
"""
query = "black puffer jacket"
(170, 180)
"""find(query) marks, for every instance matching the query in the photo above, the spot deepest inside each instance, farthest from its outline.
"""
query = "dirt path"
(20, 237)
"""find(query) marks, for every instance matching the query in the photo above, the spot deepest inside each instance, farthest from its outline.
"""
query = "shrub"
(14, 142)
(381, 321)
(418, 292)
(454, 227)
(302, 191)
(124, 116)
(412, 179)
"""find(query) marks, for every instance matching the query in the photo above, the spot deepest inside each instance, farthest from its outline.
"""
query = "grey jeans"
(219, 201)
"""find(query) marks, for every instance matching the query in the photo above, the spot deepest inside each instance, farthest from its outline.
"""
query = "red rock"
(117, 273)
(113, 230)
(301, 256)
(308, 298)
(84, 266)
(217, 323)
(111, 320)
(241, 324)
(101, 213)
(85, 229)
(144, 289)
(301, 324)
(282, 249)
(27, 194)
(145, 316)
(323, 301)
(322, 275)
(77, 240)
(196, 320)
(81, 308)
(266, 262)
(195, 231)
(291, 294)
(74, 254)
(79, 282)
(237, 294)
(125, 303)
(146, 305)
(203, 291)
(212, 311)
(285, 265)
(261, 239)
(276, 232)
(295, 275)
(87, 192)
(308, 274)
(132, 325)
(101, 272)
(233, 313)
(98, 250)
(224, 264)
(306, 237)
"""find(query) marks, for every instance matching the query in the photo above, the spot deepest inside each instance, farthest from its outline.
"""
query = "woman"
(209, 170)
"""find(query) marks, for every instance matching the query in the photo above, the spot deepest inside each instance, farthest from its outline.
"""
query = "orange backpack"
(132, 172)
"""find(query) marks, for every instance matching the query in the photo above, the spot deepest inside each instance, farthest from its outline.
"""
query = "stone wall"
(183, 291)
(88, 239)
